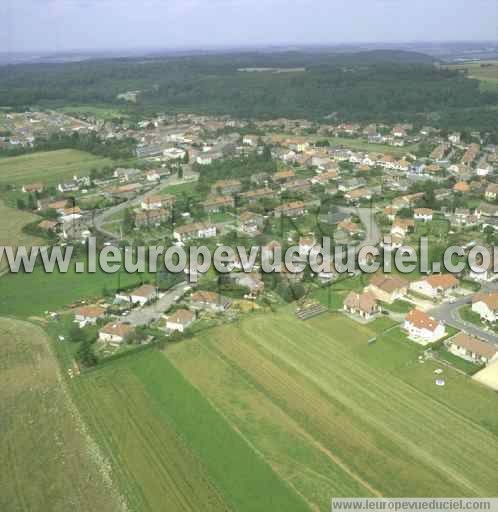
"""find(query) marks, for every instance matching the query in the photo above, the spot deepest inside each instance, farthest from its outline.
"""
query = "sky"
(61, 25)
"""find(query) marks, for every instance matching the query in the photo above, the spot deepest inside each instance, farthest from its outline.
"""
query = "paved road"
(372, 231)
(101, 217)
(148, 314)
(449, 314)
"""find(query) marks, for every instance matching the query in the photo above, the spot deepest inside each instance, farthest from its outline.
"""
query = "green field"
(335, 416)
(49, 167)
(169, 447)
(11, 223)
(24, 295)
(484, 71)
(48, 461)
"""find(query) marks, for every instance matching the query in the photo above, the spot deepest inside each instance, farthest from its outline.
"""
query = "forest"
(380, 85)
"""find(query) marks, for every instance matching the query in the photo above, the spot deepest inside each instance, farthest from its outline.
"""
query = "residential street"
(448, 313)
(148, 314)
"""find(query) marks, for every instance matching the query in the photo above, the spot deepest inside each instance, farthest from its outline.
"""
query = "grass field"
(485, 71)
(169, 447)
(49, 167)
(335, 416)
(48, 461)
(11, 223)
(24, 295)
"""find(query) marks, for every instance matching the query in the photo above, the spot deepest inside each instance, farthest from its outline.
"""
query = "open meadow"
(308, 409)
(48, 167)
(327, 410)
(11, 223)
(169, 446)
(48, 460)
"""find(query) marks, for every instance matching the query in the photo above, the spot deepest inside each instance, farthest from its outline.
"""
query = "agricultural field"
(484, 71)
(25, 295)
(11, 223)
(327, 410)
(48, 460)
(48, 167)
(168, 445)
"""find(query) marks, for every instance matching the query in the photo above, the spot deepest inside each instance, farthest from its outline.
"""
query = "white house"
(88, 315)
(438, 285)
(141, 295)
(422, 328)
(180, 320)
(115, 333)
(473, 349)
(486, 306)
(196, 230)
(423, 214)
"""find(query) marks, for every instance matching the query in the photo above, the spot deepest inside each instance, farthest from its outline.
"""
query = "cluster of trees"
(90, 142)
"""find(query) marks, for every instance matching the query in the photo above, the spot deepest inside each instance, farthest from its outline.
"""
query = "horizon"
(58, 26)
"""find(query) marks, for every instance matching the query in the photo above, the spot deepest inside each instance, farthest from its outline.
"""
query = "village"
(275, 184)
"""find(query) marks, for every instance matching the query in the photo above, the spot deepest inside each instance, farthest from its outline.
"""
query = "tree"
(20, 204)
(85, 354)
(180, 172)
(266, 153)
(186, 157)
(76, 334)
(128, 220)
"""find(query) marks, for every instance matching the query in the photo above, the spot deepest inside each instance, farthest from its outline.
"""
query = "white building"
(422, 328)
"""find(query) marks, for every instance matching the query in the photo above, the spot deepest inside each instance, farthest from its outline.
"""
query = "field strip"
(333, 458)
(393, 402)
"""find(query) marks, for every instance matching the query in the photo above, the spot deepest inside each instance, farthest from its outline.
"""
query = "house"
(156, 202)
(461, 186)
(486, 306)
(401, 227)
(115, 333)
(195, 230)
(387, 288)
(491, 192)
(298, 185)
(253, 196)
(141, 295)
(145, 218)
(292, 209)
(423, 214)
(88, 315)
(252, 281)
(32, 188)
(358, 194)
(483, 168)
(423, 328)
(209, 300)
(298, 145)
(48, 225)
(217, 203)
(363, 304)
(180, 320)
(436, 285)
(283, 176)
(127, 174)
(251, 223)
(306, 243)
(226, 187)
(473, 349)
(153, 176)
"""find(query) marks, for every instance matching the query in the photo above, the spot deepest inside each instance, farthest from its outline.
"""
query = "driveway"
(148, 314)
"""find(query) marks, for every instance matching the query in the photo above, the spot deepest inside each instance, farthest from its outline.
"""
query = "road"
(449, 314)
(152, 313)
(100, 219)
